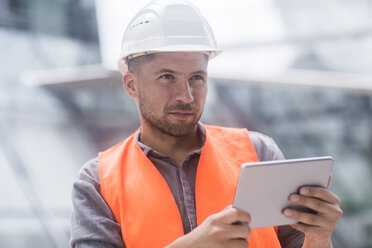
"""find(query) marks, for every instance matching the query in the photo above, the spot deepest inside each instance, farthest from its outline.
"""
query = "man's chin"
(172, 127)
(179, 130)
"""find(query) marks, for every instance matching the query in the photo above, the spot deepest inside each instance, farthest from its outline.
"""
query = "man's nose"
(184, 92)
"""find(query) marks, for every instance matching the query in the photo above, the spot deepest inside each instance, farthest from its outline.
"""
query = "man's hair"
(135, 64)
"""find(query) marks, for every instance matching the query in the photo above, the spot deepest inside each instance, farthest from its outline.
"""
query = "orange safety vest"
(143, 204)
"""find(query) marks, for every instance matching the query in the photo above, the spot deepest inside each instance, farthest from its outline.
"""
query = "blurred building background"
(299, 71)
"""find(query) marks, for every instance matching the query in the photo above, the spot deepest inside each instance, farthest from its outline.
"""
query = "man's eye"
(166, 76)
(197, 77)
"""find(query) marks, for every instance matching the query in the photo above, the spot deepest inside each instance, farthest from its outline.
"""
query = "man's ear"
(130, 84)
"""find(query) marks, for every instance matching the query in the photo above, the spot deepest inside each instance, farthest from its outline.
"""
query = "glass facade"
(42, 144)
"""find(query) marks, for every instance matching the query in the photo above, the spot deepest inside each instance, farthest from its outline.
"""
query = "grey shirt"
(94, 225)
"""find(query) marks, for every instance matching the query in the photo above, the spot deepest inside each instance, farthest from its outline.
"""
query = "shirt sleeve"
(92, 222)
(268, 150)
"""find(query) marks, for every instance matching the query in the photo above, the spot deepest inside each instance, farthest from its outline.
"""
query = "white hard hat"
(167, 26)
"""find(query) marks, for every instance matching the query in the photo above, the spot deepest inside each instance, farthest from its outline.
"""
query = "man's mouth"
(182, 114)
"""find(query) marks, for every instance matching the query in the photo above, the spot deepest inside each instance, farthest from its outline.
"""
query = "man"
(171, 183)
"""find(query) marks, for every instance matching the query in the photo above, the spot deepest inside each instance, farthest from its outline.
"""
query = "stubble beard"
(162, 124)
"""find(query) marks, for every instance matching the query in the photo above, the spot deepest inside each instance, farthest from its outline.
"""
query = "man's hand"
(318, 226)
(219, 230)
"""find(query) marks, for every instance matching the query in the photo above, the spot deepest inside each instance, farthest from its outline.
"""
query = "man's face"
(171, 94)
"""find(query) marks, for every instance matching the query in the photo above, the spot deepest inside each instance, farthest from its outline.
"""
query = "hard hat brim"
(122, 62)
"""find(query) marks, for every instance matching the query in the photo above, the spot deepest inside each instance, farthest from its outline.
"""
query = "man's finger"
(305, 218)
(315, 204)
(242, 231)
(237, 243)
(320, 193)
(233, 215)
(329, 180)
(305, 228)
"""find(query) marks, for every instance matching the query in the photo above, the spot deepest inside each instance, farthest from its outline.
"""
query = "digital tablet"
(264, 187)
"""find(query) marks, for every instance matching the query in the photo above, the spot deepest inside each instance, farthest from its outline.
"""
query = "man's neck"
(176, 148)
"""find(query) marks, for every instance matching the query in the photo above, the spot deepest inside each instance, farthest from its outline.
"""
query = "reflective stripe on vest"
(143, 204)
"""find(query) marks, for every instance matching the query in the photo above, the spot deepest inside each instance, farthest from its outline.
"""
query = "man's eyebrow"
(174, 72)
(200, 72)
(166, 71)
